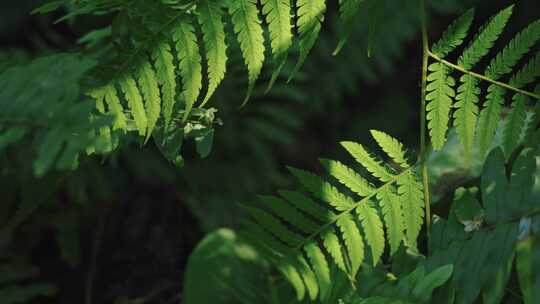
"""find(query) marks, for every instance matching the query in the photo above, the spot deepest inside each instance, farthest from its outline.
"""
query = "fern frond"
(373, 229)
(310, 16)
(528, 73)
(514, 124)
(354, 244)
(305, 204)
(310, 280)
(278, 17)
(165, 73)
(504, 61)
(115, 107)
(320, 268)
(333, 247)
(412, 197)
(246, 22)
(347, 177)
(500, 65)
(341, 223)
(360, 154)
(440, 93)
(485, 39)
(489, 119)
(391, 146)
(322, 190)
(272, 224)
(135, 102)
(454, 35)
(466, 113)
(213, 29)
(288, 213)
(150, 89)
(467, 110)
(189, 58)
(393, 217)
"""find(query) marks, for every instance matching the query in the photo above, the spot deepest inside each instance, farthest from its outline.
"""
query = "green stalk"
(423, 148)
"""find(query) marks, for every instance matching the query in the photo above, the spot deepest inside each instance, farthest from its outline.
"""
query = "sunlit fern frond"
(476, 126)
(341, 219)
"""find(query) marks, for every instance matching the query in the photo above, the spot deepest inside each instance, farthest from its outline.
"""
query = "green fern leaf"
(373, 229)
(288, 213)
(440, 96)
(322, 189)
(135, 102)
(310, 16)
(150, 90)
(294, 277)
(99, 96)
(347, 177)
(412, 202)
(213, 29)
(489, 119)
(359, 153)
(332, 245)
(485, 39)
(307, 205)
(467, 110)
(528, 73)
(453, 36)
(189, 59)
(391, 146)
(309, 278)
(320, 267)
(264, 239)
(466, 113)
(115, 107)
(275, 226)
(504, 61)
(165, 73)
(278, 17)
(393, 217)
(514, 124)
(247, 26)
(516, 120)
(353, 242)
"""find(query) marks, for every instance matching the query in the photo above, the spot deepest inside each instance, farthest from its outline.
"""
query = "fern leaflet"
(150, 90)
(165, 73)
(310, 16)
(190, 63)
(135, 102)
(210, 18)
(278, 14)
(247, 26)
(440, 94)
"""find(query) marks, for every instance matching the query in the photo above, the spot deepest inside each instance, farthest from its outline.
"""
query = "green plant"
(337, 225)
(167, 43)
(354, 236)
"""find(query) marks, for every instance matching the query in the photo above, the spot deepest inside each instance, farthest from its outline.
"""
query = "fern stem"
(362, 201)
(423, 150)
(482, 77)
